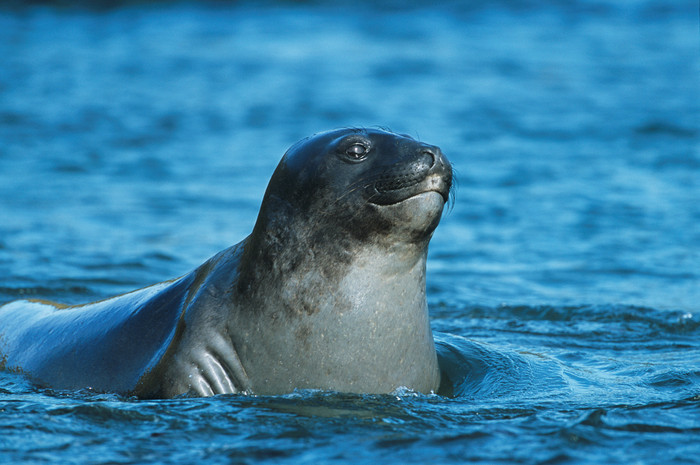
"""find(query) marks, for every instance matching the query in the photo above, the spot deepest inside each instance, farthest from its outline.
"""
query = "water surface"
(137, 141)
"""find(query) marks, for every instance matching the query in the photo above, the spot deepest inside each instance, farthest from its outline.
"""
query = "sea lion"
(327, 292)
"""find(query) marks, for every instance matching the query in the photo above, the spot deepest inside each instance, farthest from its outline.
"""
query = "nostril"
(429, 152)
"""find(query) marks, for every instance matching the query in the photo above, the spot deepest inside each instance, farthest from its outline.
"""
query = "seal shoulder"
(161, 340)
(202, 359)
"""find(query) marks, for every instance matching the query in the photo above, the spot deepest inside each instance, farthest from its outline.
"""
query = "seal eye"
(357, 151)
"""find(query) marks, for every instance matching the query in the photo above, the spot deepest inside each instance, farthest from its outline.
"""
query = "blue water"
(564, 284)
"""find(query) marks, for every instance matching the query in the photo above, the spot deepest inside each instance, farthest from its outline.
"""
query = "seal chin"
(430, 198)
(416, 217)
(435, 196)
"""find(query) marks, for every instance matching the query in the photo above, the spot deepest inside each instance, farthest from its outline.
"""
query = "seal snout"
(400, 176)
(431, 152)
(441, 170)
(425, 170)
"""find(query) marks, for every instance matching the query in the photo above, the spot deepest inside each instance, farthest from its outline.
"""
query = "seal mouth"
(429, 172)
(430, 184)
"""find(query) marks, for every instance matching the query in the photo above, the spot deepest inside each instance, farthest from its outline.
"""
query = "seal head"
(353, 185)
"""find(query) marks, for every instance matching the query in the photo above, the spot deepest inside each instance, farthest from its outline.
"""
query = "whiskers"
(452, 198)
(362, 183)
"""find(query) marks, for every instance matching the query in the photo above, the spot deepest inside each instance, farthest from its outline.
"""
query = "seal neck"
(364, 330)
(284, 247)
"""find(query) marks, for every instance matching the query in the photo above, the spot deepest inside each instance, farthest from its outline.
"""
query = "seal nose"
(438, 159)
(439, 166)
(429, 151)
(420, 168)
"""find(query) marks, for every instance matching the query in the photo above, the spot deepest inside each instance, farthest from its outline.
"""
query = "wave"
(621, 321)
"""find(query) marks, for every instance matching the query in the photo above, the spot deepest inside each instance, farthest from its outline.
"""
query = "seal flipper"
(210, 370)
(224, 368)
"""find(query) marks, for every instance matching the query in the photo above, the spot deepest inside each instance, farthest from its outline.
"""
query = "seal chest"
(327, 292)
